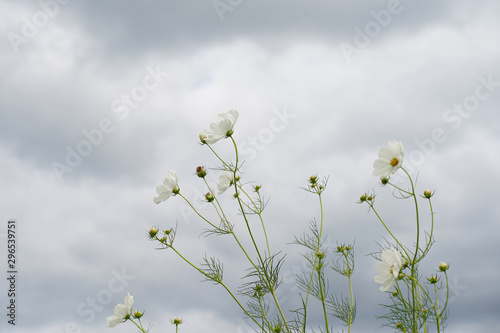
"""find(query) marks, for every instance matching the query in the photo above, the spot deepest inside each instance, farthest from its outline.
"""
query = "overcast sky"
(99, 100)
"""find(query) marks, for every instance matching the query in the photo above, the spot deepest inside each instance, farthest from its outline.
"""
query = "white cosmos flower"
(168, 187)
(223, 128)
(122, 312)
(225, 180)
(388, 269)
(389, 159)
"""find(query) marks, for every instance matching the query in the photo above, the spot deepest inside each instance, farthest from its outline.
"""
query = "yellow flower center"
(394, 162)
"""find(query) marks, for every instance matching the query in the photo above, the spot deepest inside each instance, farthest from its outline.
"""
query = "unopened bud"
(138, 314)
(443, 266)
(152, 232)
(209, 197)
(203, 137)
(433, 279)
(201, 172)
(427, 194)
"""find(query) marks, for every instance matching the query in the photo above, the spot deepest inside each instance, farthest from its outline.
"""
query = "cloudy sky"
(99, 100)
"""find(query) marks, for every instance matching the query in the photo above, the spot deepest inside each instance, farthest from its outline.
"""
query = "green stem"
(315, 258)
(197, 213)
(428, 246)
(321, 281)
(268, 282)
(219, 282)
(388, 230)
(349, 273)
(139, 326)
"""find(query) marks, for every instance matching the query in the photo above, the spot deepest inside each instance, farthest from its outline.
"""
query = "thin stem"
(219, 282)
(213, 151)
(198, 213)
(349, 273)
(427, 248)
(387, 228)
(315, 258)
(321, 281)
(268, 282)
(139, 326)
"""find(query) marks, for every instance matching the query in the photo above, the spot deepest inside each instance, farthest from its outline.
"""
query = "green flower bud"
(152, 232)
(209, 197)
(443, 266)
(384, 180)
(428, 194)
(320, 254)
(433, 279)
(177, 321)
(363, 198)
(138, 314)
(201, 172)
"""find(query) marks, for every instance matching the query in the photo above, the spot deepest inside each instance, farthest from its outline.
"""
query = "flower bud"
(167, 232)
(363, 198)
(257, 188)
(395, 293)
(209, 197)
(138, 314)
(433, 279)
(152, 232)
(203, 137)
(201, 172)
(320, 254)
(177, 321)
(384, 180)
(443, 266)
(340, 248)
(427, 194)
(313, 179)
(369, 198)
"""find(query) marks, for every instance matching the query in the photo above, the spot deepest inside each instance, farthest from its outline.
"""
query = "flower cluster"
(397, 272)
